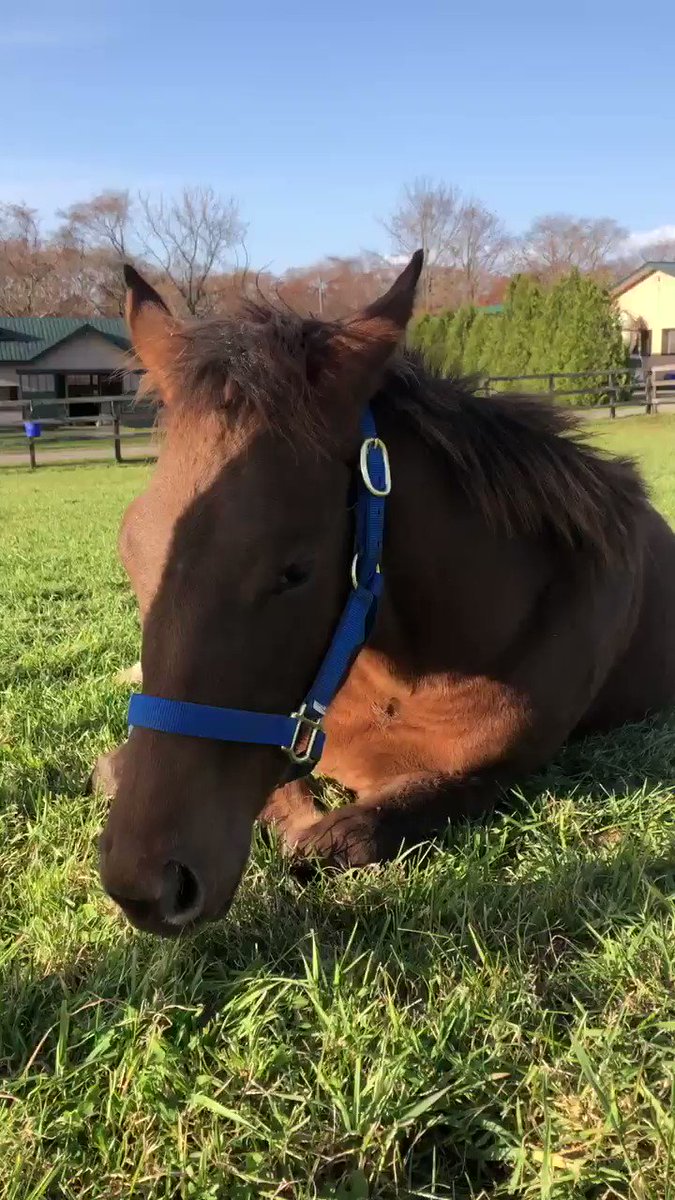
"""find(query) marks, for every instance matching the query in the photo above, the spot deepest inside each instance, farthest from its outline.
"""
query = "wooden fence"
(122, 428)
(595, 393)
(26, 437)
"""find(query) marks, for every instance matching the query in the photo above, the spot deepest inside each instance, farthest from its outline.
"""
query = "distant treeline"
(571, 326)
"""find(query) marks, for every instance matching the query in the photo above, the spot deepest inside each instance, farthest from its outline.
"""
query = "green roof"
(23, 339)
(491, 308)
(647, 268)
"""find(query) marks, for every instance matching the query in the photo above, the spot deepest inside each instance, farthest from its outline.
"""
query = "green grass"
(16, 443)
(496, 1019)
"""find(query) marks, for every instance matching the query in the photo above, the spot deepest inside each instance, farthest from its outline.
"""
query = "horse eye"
(294, 575)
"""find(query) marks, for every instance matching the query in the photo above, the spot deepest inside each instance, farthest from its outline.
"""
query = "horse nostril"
(182, 897)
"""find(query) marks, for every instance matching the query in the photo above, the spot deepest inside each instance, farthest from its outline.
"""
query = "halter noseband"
(301, 734)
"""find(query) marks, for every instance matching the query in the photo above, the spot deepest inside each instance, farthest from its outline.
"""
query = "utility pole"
(320, 287)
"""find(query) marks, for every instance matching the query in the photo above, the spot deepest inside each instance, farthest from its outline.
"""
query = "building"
(646, 301)
(71, 360)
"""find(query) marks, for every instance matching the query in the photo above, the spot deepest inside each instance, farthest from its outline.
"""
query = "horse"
(526, 593)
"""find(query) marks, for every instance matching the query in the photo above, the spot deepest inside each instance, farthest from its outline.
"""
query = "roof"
(23, 339)
(643, 272)
(491, 308)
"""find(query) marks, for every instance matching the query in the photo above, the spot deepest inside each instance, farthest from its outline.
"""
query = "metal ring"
(355, 563)
(375, 443)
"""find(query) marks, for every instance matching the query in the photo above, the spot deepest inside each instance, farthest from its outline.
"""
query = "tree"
(428, 218)
(26, 266)
(556, 244)
(429, 336)
(578, 330)
(95, 238)
(105, 221)
(572, 327)
(480, 244)
(662, 250)
(190, 239)
(515, 327)
(479, 348)
(336, 287)
(456, 335)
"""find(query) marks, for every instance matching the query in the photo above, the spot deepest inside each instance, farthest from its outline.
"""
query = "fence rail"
(606, 391)
(31, 433)
(27, 434)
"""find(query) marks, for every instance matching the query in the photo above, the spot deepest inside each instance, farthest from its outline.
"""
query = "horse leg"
(290, 810)
(131, 675)
(106, 773)
(406, 813)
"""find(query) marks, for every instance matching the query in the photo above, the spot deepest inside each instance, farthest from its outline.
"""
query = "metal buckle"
(375, 443)
(355, 564)
(315, 727)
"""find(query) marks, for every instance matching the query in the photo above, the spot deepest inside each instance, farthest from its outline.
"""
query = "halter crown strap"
(301, 734)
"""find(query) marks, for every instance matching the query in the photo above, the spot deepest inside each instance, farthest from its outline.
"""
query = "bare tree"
(481, 242)
(190, 239)
(94, 238)
(26, 266)
(558, 243)
(105, 221)
(429, 218)
(346, 285)
(660, 251)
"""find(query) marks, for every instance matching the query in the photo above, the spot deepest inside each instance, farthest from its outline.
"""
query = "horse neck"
(456, 592)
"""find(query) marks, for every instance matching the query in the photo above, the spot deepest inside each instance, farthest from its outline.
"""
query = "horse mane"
(522, 461)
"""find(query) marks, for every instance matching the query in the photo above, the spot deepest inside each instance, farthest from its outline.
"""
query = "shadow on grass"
(464, 907)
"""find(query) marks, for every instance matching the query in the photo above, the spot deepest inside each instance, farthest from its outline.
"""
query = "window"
(668, 341)
(44, 384)
(82, 385)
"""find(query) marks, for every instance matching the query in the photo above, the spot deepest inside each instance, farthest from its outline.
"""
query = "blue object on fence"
(33, 429)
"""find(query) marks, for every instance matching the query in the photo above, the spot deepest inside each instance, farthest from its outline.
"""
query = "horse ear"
(396, 305)
(152, 328)
(362, 346)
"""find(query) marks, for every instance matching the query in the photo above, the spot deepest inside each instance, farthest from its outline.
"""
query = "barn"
(73, 361)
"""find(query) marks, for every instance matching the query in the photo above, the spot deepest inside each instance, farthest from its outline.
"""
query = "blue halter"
(301, 734)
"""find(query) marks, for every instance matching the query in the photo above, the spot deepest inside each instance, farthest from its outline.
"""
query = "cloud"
(649, 237)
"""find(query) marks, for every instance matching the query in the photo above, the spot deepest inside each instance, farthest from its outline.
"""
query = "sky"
(314, 115)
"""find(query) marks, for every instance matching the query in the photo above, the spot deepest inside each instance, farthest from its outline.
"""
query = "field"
(493, 1018)
(62, 445)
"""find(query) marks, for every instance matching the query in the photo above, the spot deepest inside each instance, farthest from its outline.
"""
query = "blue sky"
(313, 114)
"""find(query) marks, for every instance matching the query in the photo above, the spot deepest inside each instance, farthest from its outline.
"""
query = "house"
(646, 302)
(64, 359)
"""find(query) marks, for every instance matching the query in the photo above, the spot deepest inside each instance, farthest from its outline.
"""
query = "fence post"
(649, 385)
(31, 453)
(551, 387)
(116, 433)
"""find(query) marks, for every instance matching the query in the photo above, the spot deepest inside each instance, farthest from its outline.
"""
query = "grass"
(16, 443)
(495, 1018)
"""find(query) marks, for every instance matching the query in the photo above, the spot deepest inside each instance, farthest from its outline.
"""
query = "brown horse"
(529, 593)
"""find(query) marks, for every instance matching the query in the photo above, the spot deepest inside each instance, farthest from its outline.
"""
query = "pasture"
(492, 1018)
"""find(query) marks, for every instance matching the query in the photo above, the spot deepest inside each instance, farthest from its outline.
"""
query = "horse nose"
(182, 895)
(161, 900)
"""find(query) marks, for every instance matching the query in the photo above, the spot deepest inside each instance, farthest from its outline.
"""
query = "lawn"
(15, 443)
(493, 1019)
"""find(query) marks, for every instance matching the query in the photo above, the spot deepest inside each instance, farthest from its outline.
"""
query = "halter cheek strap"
(301, 734)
